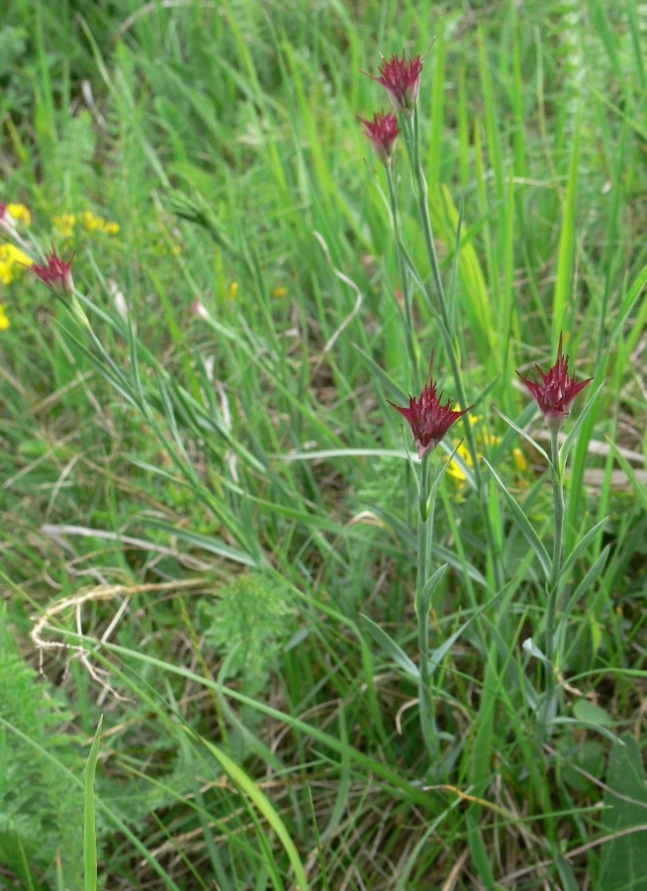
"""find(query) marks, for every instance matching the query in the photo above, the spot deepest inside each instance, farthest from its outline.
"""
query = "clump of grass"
(237, 479)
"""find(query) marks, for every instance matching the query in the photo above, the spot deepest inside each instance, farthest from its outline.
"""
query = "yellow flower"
(65, 224)
(455, 470)
(280, 292)
(482, 439)
(233, 290)
(520, 460)
(92, 222)
(4, 321)
(20, 213)
(11, 261)
(88, 220)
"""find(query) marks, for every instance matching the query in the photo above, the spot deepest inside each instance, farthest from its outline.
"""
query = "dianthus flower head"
(57, 274)
(428, 418)
(383, 132)
(401, 80)
(556, 392)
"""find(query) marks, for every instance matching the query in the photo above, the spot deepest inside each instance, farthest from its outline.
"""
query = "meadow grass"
(209, 520)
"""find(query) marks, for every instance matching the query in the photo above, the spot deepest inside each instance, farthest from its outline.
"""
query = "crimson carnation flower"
(556, 392)
(401, 80)
(57, 273)
(428, 418)
(383, 132)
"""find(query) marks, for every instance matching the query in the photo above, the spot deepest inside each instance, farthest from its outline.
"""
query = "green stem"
(553, 583)
(412, 346)
(425, 537)
(412, 142)
(423, 202)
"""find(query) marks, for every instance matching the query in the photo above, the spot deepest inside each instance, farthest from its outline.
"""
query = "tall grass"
(201, 531)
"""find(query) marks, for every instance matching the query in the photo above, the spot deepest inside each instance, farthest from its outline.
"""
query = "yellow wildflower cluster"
(12, 260)
(87, 220)
(455, 470)
(485, 439)
(20, 213)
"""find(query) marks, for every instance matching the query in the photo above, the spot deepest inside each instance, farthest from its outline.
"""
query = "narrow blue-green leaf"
(423, 598)
(501, 451)
(524, 524)
(581, 546)
(587, 583)
(342, 453)
(572, 436)
(523, 433)
(206, 542)
(597, 727)
(452, 451)
(391, 648)
(436, 657)
(530, 647)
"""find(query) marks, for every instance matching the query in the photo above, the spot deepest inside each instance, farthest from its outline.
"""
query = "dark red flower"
(556, 392)
(428, 419)
(57, 273)
(383, 131)
(401, 80)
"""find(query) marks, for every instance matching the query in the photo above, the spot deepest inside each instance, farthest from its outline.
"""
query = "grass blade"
(89, 825)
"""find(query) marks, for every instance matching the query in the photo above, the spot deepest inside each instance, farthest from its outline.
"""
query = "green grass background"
(254, 736)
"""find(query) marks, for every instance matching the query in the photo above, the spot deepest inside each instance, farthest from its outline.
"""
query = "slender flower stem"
(553, 583)
(412, 142)
(411, 131)
(412, 345)
(425, 538)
